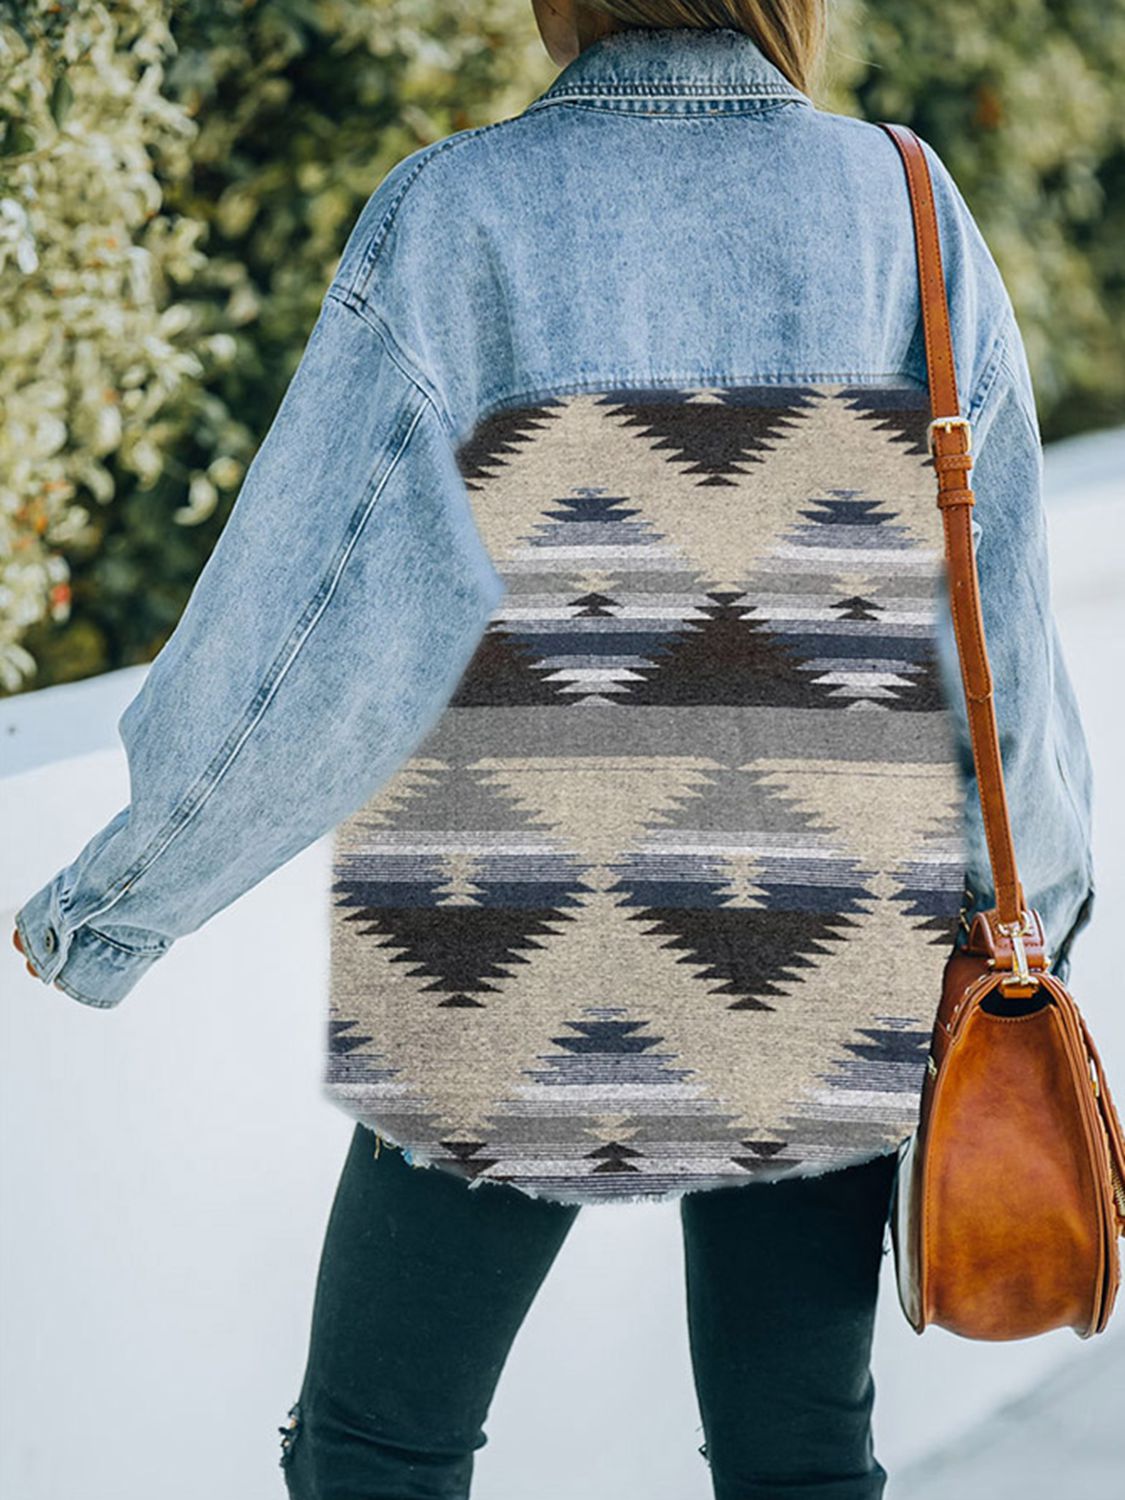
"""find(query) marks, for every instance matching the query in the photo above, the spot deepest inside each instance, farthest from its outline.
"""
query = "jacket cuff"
(85, 964)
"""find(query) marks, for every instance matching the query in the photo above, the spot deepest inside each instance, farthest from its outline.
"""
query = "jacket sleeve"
(1047, 767)
(325, 635)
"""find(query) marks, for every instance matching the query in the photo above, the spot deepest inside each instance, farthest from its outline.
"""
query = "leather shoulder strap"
(950, 449)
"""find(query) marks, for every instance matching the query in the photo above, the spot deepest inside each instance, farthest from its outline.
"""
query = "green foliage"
(102, 372)
(1023, 102)
(178, 177)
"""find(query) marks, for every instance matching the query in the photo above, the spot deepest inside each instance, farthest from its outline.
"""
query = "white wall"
(167, 1167)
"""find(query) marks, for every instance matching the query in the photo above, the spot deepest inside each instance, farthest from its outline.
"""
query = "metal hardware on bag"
(948, 423)
(1021, 975)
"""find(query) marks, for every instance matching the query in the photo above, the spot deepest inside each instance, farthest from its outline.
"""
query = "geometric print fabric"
(662, 901)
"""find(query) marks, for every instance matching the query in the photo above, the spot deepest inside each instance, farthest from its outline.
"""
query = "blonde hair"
(791, 33)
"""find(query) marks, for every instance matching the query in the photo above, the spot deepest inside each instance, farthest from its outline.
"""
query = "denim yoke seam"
(211, 777)
(639, 380)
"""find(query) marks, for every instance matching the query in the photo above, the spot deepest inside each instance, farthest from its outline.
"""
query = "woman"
(587, 583)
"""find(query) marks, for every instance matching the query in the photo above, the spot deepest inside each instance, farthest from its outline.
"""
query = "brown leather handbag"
(1009, 1197)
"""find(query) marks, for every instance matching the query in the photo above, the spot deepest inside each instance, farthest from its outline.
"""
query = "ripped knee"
(289, 1433)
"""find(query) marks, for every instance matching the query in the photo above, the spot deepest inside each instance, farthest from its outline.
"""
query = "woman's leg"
(782, 1280)
(422, 1287)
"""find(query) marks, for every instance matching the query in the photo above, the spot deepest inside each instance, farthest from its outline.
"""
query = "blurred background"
(177, 180)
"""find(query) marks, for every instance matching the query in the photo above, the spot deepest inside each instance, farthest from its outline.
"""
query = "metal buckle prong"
(947, 424)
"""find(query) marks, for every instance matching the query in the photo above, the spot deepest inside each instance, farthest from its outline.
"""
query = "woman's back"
(664, 898)
(597, 591)
(670, 211)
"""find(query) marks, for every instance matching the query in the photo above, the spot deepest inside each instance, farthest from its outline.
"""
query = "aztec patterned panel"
(662, 902)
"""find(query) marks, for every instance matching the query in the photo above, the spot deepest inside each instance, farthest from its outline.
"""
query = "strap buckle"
(1021, 975)
(947, 424)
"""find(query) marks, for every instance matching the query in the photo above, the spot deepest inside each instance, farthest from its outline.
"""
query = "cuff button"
(50, 940)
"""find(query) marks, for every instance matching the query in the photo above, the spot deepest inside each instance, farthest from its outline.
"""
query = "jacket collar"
(670, 68)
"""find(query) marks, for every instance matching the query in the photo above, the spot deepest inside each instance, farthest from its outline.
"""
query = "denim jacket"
(670, 211)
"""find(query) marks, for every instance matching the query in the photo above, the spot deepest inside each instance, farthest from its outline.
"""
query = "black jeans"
(423, 1285)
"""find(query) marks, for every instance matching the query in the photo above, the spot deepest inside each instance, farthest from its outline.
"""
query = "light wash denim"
(671, 211)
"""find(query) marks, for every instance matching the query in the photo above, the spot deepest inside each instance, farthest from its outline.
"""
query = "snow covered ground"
(167, 1169)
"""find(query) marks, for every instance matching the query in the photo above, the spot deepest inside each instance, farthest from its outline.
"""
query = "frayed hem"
(593, 1192)
(610, 1190)
(581, 1196)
